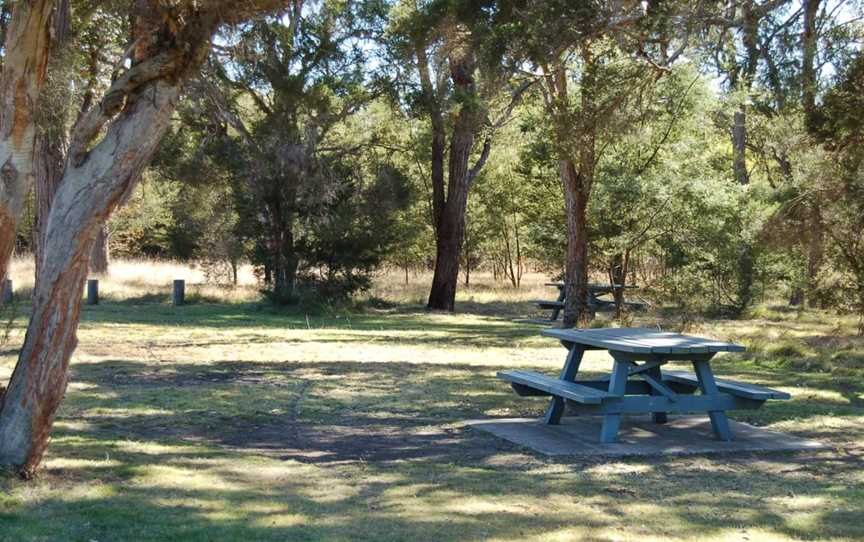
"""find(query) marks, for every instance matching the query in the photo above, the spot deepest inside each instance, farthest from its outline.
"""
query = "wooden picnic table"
(637, 384)
(594, 302)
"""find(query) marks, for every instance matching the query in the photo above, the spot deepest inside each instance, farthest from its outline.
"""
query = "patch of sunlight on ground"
(70, 463)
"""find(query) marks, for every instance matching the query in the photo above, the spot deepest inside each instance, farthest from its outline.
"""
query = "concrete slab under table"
(639, 436)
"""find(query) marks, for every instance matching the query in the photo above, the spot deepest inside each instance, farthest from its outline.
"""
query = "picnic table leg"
(719, 421)
(617, 386)
(657, 417)
(568, 373)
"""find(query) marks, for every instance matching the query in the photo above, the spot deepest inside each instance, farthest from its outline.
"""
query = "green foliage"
(352, 234)
(323, 140)
(146, 225)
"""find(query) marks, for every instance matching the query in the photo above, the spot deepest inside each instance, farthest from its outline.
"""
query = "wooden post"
(7, 292)
(93, 291)
(179, 292)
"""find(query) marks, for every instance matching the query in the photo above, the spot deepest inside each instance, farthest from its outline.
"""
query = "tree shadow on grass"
(352, 450)
(332, 411)
(675, 499)
(315, 412)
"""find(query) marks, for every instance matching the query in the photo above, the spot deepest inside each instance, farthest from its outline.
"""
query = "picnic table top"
(595, 286)
(642, 341)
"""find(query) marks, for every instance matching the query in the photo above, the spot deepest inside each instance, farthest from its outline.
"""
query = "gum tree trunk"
(101, 170)
(24, 67)
(87, 195)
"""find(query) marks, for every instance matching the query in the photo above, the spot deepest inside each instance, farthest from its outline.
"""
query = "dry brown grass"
(482, 288)
(150, 280)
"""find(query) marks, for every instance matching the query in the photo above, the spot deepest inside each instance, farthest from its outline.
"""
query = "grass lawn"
(236, 422)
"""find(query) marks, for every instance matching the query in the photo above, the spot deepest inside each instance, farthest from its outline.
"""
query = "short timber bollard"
(7, 291)
(179, 292)
(93, 291)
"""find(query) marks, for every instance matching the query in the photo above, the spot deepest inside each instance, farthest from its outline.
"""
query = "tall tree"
(741, 45)
(109, 147)
(591, 60)
(282, 91)
(443, 41)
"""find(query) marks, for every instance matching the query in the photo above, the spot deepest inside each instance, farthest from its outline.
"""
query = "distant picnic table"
(637, 384)
(595, 303)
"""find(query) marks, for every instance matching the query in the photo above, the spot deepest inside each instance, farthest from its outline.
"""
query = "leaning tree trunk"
(102, 168)
(24, 68)
(87, 195)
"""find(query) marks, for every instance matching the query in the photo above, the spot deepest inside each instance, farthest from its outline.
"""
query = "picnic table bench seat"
(524, 382)
(740, 389)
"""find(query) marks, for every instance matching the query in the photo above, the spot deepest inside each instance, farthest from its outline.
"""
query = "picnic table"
(595, 303)
(637, 384)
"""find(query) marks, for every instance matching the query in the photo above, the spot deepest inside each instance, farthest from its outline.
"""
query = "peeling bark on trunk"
(51, 132)
(24, 67)
(87, 195)
(137, 110)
